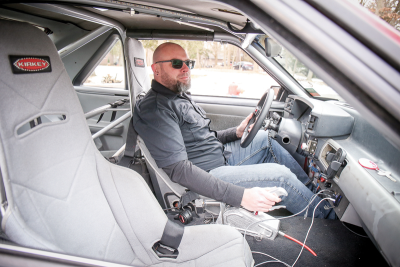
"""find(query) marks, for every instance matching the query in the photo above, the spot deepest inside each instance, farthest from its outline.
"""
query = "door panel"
(227, 112)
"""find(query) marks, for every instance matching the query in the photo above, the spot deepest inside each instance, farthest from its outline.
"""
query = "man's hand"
(259, 199)
(242, 126)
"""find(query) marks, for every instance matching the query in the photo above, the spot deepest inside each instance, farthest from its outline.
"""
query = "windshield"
(387, 10)
(314, 85)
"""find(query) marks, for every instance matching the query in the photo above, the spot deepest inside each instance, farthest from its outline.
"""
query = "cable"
(353, 231)
(309, 229)
(309, 203)
(170, 209)
(264, 262)
(298, 242)
(276, 260)
(212, 215)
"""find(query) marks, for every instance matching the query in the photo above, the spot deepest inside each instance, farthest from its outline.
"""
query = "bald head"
(177, 80)
(165, 51)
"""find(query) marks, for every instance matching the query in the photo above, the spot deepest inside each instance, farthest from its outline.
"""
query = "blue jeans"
(254, 166)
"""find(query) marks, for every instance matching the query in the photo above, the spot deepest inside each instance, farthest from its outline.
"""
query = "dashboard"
(336, 137)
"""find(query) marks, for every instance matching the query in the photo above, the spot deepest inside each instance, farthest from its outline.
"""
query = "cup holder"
(286, 140)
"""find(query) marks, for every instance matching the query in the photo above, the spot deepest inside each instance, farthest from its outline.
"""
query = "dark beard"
(176, 86)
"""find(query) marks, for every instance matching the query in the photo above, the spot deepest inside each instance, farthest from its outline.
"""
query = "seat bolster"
(135, 208)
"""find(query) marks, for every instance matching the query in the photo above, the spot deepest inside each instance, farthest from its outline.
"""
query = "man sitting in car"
(178, 136)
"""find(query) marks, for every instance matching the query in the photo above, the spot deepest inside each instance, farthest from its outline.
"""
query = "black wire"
(170, 209)
(353, 231)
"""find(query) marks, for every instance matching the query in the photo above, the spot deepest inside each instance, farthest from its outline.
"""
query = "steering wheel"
(259, 115)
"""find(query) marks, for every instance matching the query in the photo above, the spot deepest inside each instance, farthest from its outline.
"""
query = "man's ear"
(155, 69)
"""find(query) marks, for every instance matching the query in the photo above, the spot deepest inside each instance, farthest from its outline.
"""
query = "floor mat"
(329, 239)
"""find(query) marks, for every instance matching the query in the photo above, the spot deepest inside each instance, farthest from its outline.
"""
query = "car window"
(301, 73)
(110, 72)
(387, 10)
(220, 69)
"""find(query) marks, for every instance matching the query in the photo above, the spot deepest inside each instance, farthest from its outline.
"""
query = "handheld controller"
(278, 191)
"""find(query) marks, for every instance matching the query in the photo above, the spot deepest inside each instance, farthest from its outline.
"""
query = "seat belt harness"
(167, 247)
(131, 140)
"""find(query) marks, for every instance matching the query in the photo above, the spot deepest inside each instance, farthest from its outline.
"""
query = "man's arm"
(228, 135)
(203, 183)
(199, 181)
(234, 133)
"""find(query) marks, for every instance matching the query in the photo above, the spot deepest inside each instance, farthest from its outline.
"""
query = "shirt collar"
(161, 89)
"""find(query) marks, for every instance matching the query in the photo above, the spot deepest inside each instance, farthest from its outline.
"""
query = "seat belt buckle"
(163, 251)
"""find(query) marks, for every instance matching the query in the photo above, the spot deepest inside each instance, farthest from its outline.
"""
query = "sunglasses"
(178, 64)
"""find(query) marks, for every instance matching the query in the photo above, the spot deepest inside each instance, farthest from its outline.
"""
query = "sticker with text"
(30, 64)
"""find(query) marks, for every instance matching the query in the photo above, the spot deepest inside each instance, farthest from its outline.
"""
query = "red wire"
(298, 242)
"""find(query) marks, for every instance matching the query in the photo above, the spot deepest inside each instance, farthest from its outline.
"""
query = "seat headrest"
(139, 80)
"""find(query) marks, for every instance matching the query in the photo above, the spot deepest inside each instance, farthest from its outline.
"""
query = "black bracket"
(163, 251)
(248, 28)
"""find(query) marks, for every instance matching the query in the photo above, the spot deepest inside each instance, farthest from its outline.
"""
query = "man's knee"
(261, 138)
(286, 174)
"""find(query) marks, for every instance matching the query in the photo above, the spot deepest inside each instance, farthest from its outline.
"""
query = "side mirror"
(272, 48)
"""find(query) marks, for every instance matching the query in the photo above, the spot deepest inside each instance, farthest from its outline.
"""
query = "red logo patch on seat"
(30, 64)
(139, 62)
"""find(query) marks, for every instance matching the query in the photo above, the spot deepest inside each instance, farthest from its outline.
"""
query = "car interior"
(80, 188)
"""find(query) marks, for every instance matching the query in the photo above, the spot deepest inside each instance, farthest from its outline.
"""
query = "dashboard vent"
(311, 122)
(289, 104)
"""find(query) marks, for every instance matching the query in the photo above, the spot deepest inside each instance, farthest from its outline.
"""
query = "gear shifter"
(279, 191)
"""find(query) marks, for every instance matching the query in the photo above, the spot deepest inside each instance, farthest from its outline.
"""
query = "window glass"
(302, 74)
(387, 10)
(110, 72)
(220, 70)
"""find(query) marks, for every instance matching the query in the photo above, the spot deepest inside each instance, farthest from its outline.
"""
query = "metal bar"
(95, 60)
(112, 125)
(118, 109)
(97, 111)
(122, 149)
(84, 40)
(84, 15)
(188, 24)
(170, 34)
(53, 257)
(101, 90)
(248, 40)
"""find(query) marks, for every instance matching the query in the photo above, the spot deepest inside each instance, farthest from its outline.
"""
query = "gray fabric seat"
(63, 196)
(139, 82)
(169, 191)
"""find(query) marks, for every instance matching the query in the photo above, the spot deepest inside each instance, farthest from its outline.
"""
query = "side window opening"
(110, 73)
(220, 70)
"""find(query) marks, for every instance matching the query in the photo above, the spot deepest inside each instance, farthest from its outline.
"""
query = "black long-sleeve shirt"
(177, 134)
